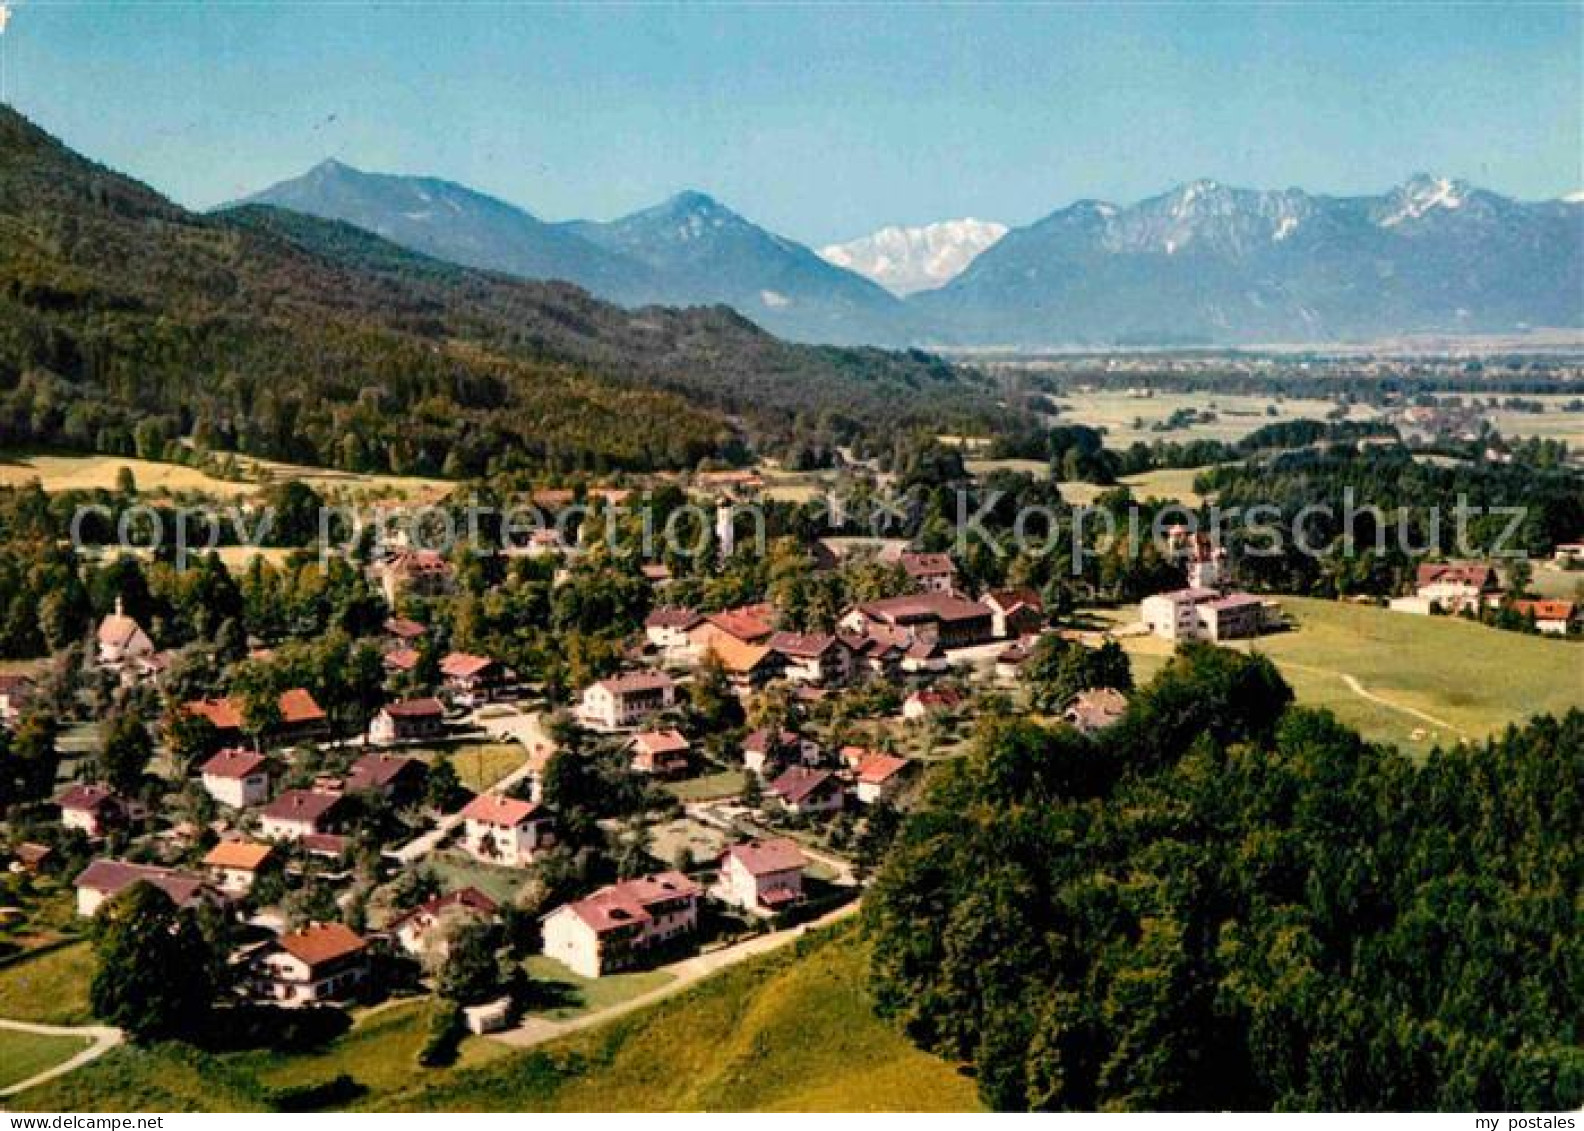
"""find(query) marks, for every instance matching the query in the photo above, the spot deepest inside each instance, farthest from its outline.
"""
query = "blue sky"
(822, 122)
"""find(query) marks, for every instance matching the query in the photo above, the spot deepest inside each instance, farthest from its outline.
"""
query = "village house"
(301, 719)
(803, 790)
(748, 667)
(1203, 614)
(393, 777)
(322, 962)
(505, 830)
(398, 662)
(1552, 617)
(404, 633)
(817, 658)
(1094, 710)
(941, 618)
(413, 930)
(925, 657)
(744, 626)
(299, 814)
(662, 753)
(233, 865)
(16, 692)
(122, 639)
(762, 875)
(667, 629)
(930, 701)
(97, 810)
(879, 777)
(473, 680)
(1014, 612)
(106, 879)
(619, 926)
(765, 751)
(237, 777)
(1451, 587)
(931, 573)
(421, 573)
(626, 700)
(409, 720)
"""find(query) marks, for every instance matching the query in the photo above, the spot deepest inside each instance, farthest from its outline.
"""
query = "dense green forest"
(1227, 902)
(128, 324)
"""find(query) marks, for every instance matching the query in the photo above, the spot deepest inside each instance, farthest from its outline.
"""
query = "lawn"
(482, 764)
(1471, 681)
(27, 1054)
(790, 1031)
(575, 995)
(1127, 417)
(1175, 483)
(458, 871)
(707, 787)
(99, 472)
(50, 988)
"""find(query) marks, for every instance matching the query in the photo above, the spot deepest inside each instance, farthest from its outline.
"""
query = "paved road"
(104, 1039)
(688, 972)
(520, 727)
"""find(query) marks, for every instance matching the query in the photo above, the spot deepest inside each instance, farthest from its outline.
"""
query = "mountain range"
(907, 260)
(129, 324)
(1202, 264)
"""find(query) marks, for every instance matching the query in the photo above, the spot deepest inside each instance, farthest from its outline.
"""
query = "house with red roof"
(1015, 612)
(667, 629)
(620, 926)
(105, 879)
(97, 810)
(662, 753)
(1552, 617)
(322, 962)
(473, 680)
(301, 718)
(414, 930)
(764, 876)
(817, 658)
(299, 814)
(942, 618)
(928, 701)
(878, 776)
(421, 573)
(804, 790)
(237, 776)
(766, 751)
(122, 640)
(233, 865)
(392, 776)
(931, 573)
(505, 830)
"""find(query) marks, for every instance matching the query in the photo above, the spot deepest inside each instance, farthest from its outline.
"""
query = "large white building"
(505, 830)
(626, 700)
(762, 875)
(1203, 614)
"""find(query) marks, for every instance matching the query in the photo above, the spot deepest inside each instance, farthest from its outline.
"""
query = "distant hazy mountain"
(453, 222)
(905, 260)
(687, 251)
(1208, 263)
(706, 253)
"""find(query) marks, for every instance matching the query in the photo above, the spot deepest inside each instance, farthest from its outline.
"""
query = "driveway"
(104, 1038)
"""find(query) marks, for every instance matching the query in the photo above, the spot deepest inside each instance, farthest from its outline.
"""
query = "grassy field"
(582, 995)
(482, 764)
(1127, 417)
(1434, 679)
(27, 1054)
(96, 472)
(707, 787)
(788, 1031)
(50, 988)
(1166, 483)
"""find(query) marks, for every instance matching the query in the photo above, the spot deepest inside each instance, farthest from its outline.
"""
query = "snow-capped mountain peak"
(1422, 194)
(905, 260)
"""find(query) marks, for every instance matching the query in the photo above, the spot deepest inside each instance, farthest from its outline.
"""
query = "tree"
(190, 737)
(155, 974)
(470, 971)
(127, 749)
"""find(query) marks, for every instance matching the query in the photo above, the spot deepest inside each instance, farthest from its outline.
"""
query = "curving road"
(104, 1038)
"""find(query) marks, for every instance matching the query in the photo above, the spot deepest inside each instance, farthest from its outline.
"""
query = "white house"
(96, 809)
(413, 929)
(505, 830)
(762, 875)
(618, 926)
(803, 790)
(667, 629)
(878, 777)
(626, 700)
(298, 814)
(765, 751)
(322, 962)
(1203, 614)
(237, 777)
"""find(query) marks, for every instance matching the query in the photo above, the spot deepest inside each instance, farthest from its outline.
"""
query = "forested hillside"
(1230, 903)
(127, 322)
